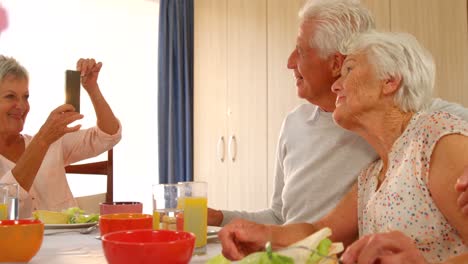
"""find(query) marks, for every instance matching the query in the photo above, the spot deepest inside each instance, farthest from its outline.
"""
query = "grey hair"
(10, 66)
(335, 21)
(398, 55)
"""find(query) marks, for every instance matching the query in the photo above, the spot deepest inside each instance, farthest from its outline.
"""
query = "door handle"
(220, 150)
(233, 148)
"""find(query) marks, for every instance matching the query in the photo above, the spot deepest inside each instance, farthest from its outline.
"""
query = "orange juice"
(168, 219)
(3, 211)
(156, 220)
(195, 218)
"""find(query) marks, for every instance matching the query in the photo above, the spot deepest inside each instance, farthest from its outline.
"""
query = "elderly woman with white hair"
(36, 163)
(403, 207)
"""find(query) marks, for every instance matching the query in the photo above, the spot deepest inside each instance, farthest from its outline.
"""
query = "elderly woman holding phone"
(403, 209)
(37, 162)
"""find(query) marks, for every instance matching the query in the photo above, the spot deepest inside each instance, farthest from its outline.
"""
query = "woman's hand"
(57, 123)
(383, 248)
(89, 73)
(240, 237)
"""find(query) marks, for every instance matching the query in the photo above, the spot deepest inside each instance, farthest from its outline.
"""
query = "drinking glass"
(194, 202)
(9, 204)
(167, 211)
(3, 203)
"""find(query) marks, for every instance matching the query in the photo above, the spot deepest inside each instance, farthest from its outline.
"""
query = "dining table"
(71, 247)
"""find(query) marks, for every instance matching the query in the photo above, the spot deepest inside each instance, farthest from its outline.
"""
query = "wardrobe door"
(210, 99)
(381, 11)
(441, 26)
(247, 104)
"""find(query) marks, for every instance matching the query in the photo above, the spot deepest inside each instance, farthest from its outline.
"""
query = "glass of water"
(168, 213)
(9, 204)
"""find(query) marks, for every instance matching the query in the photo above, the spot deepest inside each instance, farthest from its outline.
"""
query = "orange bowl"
(20, 240)
(148, 246)
(125, 221)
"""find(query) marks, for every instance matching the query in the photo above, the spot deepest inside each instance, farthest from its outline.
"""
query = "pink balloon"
(3, 19)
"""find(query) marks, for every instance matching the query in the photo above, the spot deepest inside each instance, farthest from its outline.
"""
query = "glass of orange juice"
(3, 202)
(194, 202)
(168, 214)
(9, 203)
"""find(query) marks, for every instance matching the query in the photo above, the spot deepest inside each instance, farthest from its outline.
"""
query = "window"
(48, 37)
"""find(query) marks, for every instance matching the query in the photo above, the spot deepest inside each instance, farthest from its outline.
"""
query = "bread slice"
(51, 217)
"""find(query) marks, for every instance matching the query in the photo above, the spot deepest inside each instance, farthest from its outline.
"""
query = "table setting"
(176, 231)
(73, 247)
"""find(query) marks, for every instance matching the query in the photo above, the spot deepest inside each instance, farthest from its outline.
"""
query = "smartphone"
(72, 88)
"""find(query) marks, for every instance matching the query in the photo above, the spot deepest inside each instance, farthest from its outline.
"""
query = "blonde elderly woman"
(403, 208)
(37, 162)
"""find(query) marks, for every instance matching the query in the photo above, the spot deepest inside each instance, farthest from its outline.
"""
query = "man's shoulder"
(438, 104)
(303, 110)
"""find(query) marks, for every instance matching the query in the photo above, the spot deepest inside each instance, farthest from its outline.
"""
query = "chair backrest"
(100, 168)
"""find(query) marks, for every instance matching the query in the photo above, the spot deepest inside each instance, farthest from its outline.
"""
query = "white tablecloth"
(75, 248)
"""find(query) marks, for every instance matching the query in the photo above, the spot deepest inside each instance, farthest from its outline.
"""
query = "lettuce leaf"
(322, 250)
(77, 216)
(219, 259)
(254, 258)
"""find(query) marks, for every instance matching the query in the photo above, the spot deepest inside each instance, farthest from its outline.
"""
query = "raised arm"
(106, 120)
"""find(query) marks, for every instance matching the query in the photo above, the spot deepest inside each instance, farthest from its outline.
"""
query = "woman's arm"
(54, 128)
(448, 160)
(106, 120)
(342, 220)
(240, 237)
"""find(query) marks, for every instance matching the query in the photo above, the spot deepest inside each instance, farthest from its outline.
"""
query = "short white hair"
(335, 21)
(10, 66)
(398, 55)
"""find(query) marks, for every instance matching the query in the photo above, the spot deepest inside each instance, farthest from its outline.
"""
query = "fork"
(81, 231)
(268, 249)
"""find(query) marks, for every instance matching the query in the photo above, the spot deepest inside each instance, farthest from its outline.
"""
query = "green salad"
(77, 216)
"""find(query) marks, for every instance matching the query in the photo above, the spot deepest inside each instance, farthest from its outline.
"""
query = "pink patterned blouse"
(403, 201)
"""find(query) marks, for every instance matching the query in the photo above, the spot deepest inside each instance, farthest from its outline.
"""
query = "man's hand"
(215, 217)
(240, 237)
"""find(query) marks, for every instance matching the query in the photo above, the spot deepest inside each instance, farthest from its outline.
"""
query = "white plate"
(68, 226)
(213, 230)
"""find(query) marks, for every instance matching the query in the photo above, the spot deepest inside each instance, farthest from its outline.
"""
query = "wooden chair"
(99, 168)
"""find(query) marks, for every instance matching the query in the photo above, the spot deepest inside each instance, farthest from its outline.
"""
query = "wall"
(48, 37)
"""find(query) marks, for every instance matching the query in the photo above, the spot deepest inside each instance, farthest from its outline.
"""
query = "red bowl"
(148, 246)
(20, 240)
(125, 221)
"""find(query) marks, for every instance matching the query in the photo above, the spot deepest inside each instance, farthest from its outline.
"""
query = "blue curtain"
(175, 94)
